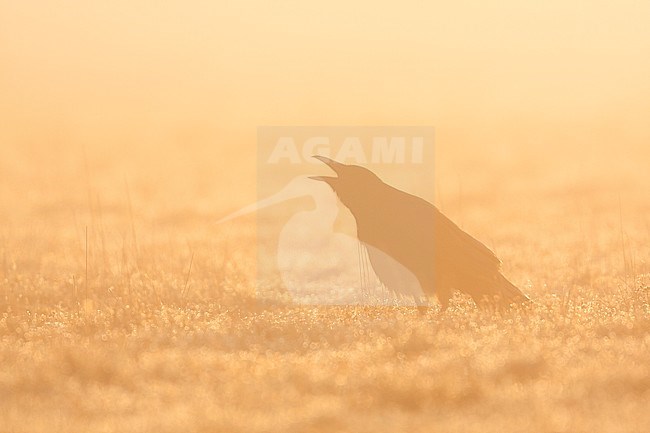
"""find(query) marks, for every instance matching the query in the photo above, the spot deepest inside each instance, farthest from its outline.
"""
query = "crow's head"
(354, 184)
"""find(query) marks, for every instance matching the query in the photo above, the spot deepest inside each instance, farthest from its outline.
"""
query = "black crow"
(416, 234)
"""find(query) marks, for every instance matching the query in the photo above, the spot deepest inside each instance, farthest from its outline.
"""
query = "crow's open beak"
(334, 165)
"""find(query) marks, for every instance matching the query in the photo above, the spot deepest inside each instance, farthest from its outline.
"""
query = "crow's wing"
(458, 248)
(417, 235)
(425, 229)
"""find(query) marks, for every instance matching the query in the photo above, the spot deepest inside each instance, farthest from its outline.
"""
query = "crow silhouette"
(414, 232)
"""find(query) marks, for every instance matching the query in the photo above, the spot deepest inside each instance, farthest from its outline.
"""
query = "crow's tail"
(499, 292)
(509, 292)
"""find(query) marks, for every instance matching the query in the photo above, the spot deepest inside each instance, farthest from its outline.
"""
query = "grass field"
(150, 323)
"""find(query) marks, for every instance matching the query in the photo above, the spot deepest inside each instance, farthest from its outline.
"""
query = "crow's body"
(416, 234)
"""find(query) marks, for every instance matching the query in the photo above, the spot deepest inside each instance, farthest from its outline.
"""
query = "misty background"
(167, 96)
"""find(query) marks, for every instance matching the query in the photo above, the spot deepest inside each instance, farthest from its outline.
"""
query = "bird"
(320, 266)
(442, 256)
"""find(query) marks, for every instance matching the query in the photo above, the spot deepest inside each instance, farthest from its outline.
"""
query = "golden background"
(136, 121)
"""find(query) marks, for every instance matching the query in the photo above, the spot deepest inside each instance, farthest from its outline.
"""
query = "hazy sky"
(146, 73)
